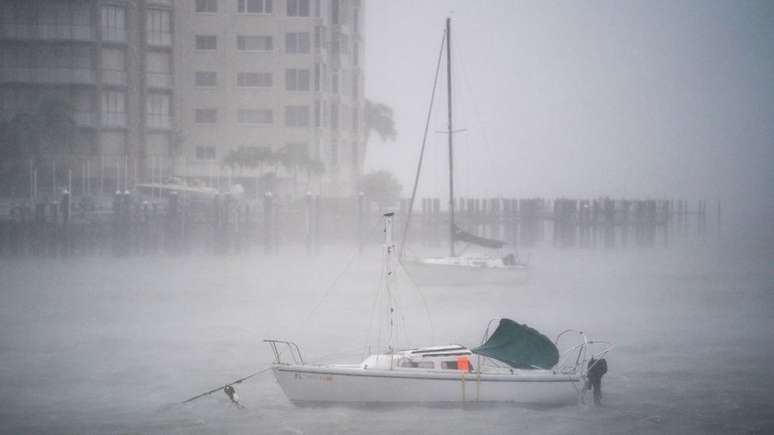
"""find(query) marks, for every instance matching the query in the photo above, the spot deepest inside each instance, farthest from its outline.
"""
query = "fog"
(642, 99)
(98, 345)
(635, 100)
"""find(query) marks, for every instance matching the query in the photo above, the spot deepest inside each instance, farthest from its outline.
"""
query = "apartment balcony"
(48, 75)
(114, 34)
(158, 39)
(114, 119)
(158, 121)
(47, 32)
(114, 77)
(158, 80)
(81, 119)
(85, 119)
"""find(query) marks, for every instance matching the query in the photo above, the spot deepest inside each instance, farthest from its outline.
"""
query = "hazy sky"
(582, 98)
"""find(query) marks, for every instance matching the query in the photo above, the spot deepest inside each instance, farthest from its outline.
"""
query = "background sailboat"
(458, 269)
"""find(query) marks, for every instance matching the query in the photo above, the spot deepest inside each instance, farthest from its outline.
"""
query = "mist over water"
(638, 100)
(100, 345)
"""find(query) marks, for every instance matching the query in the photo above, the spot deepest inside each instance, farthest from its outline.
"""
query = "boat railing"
(486, 331)
(574, 358)
(281, 347)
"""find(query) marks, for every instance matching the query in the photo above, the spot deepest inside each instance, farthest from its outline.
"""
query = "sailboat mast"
(389, 249)
(451, 150)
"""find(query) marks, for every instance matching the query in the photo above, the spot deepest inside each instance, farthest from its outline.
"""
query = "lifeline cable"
(421, 296)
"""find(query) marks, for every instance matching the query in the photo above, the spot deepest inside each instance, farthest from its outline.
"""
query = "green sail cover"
(519, 346)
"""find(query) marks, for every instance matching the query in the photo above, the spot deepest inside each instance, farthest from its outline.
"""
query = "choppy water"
(102, 345)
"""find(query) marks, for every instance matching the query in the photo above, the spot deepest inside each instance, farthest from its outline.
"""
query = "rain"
(182, 181)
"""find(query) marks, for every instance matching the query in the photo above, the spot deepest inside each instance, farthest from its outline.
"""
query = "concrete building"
(283, 76)
(111, 63)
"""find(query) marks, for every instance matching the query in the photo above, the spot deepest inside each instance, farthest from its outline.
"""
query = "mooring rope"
(224, 387)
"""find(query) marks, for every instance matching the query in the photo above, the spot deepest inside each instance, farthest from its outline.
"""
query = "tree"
(381, 187)
(59, 132)
(379, 119)
(249, 158)
(314, 168)
(50, 130)
(293, 160)
(35, 137)
(21, 138)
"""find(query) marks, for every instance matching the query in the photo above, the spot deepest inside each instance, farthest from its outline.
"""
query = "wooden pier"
(126, 224)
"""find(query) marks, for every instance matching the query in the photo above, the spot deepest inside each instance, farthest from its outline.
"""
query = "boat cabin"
(447, 357)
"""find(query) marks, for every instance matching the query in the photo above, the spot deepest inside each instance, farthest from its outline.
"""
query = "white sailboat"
(459, 269)
(514, 363)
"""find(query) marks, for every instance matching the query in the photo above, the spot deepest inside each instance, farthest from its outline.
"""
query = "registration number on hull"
(312, 377)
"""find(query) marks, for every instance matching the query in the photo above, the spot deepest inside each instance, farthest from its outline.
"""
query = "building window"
(205, 153)
(334, 116)
(325, 82)
(210, 6)
(254, 79)
(297, 79)
(317, 113)
(320, 37)
(206, 42)
(254, 6)
(345, 84)
(255, 43)
(297, 42)
(334, 11)
(344, 117)
(255, 116)
(159, 30)
(55, 20)
(343, 43)
(114, 108)
(298, 8)
(158, 69)
(335, 82)
(296, 116)
(83, 106)
(334, 154)
(113, 23)
(206, 79)
(113, 62)
(206, 116)
(157, 113)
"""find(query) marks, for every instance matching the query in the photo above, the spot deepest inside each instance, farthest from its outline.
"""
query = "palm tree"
(379, 119)
(293, 159)
(50, 130)
(59, 127)
(313, 167)
(381, 187)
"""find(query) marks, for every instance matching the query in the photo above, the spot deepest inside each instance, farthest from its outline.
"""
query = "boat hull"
(459, 275)
(309, 384)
